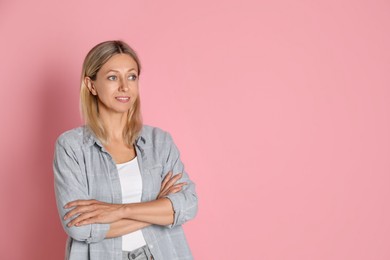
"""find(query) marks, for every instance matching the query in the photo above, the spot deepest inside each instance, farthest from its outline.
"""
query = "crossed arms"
(126, 218)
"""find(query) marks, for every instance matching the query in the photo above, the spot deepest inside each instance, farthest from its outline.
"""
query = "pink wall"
(281, 110)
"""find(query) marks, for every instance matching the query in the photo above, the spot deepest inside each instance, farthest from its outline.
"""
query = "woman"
(117, 181)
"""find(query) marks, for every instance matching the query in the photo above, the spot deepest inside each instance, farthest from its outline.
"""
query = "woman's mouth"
(123, 99)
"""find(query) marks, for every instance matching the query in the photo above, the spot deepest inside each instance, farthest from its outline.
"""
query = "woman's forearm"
(159, 212)
(125, 226)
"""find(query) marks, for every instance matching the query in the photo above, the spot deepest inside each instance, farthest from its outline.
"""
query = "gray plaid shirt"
(83, 169)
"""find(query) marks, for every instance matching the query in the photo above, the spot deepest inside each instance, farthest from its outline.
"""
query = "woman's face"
(116, 84)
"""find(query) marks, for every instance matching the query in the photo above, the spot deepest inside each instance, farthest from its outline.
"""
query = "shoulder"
(153, 134)
(75, 137)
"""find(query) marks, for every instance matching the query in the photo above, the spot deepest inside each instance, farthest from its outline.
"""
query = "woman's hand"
(169, 186)
(92, 211)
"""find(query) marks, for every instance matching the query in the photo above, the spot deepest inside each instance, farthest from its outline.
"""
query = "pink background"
(281, 110)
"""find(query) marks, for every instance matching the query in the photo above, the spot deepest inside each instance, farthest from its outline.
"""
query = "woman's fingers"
(83, 206)
(175, 188)
(166, 179)
(79, 203)
(172, 181)
(97, 213)
(169, 184)
(79, 210)
(87, 221)
(164, 184)
(76, 221)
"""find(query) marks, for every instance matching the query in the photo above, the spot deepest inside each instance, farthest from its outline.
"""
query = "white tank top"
(131, 184)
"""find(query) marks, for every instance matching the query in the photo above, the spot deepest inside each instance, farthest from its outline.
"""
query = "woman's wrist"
(159, 212)
(125, 211)
(125, 226)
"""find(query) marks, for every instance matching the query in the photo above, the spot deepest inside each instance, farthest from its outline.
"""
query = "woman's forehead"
(120, 62)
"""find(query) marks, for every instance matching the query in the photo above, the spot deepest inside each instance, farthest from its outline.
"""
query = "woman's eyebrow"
(118, 70)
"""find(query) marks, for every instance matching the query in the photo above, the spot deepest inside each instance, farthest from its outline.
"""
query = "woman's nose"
(123, 84)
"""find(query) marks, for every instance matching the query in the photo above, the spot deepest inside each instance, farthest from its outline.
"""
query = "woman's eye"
(133, 77)
(112, 78)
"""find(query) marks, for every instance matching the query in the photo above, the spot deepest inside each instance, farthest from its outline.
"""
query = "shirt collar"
(90, 138)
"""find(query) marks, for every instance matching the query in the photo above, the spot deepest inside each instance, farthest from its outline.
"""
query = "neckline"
(120, 164)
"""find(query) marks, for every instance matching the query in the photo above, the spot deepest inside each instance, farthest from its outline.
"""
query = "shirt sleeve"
(70, 184)
(185, 202)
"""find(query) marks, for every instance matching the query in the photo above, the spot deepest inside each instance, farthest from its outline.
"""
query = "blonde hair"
(94, 60)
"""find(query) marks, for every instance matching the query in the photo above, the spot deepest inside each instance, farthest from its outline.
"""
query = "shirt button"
(150, 246)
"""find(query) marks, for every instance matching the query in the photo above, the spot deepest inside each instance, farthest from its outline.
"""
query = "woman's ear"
(89, 83)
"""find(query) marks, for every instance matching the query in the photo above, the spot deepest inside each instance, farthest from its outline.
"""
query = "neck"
(114, 124)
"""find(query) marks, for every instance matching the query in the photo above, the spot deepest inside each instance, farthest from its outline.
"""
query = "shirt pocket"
(153, 180)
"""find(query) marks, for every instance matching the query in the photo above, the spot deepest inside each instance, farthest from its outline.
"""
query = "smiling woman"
(116, 180)
(116, 85)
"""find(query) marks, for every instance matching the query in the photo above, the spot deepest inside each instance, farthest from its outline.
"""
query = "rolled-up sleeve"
(185, 202)
(71, 184)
